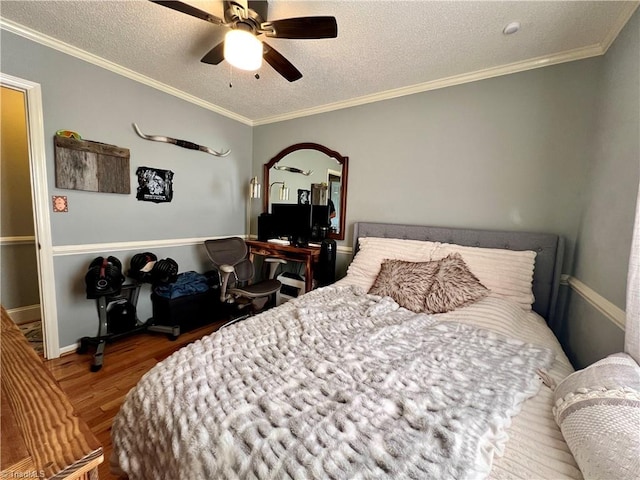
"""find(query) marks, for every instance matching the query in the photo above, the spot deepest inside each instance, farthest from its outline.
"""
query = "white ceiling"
(384, 48)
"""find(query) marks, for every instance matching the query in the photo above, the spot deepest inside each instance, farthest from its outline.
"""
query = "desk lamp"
(283, 193)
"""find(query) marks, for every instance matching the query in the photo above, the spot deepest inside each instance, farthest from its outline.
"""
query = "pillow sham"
(406, 282)
(506, 273)
(598, 412)
(453, 286)
(365, 266)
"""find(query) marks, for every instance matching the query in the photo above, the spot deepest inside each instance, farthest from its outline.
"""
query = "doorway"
(28, 94)
(334, 179)
(19, 286)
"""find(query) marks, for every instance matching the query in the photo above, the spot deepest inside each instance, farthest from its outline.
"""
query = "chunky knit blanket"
(336, 384)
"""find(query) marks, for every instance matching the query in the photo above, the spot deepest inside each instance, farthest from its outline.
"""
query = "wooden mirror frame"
(344, 161)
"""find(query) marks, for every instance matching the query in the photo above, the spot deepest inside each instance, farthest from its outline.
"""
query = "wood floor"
(97, 397)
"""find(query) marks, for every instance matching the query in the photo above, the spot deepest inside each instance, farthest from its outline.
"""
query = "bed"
(377, 376)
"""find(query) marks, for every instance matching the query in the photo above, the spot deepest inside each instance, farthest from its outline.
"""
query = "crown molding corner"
(621, 21)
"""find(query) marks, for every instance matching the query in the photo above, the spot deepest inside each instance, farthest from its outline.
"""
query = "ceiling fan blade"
(280, 64)
(215, 55)
(189, 10)
(261, 7)
(303, 27)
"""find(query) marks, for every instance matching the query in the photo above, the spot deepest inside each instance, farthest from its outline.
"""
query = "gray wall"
(604, 238)
(19, 278)
(553, 149)
(209, 192)
(506, 153)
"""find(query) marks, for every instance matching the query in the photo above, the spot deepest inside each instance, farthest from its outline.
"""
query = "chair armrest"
(273, 263)
(225, 273)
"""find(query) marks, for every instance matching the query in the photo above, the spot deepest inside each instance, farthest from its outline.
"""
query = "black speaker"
(266, 227)
(326, 268)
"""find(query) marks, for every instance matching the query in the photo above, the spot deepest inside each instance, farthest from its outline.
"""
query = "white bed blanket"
(336, 384)
(536, 448)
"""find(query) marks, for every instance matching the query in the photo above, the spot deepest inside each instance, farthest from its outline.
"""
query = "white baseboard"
(69, 349)
(27, 314)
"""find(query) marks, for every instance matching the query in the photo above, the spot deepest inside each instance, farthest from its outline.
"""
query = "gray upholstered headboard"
(549, 250)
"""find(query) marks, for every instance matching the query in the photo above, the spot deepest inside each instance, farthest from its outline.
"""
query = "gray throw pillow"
(406, 282)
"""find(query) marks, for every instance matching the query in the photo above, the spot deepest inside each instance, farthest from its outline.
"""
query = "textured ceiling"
(383, 49)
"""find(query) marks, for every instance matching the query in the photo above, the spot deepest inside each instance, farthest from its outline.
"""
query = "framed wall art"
(304, 196)
(154, 185)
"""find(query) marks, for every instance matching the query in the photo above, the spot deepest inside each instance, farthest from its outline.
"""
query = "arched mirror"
(309, 173)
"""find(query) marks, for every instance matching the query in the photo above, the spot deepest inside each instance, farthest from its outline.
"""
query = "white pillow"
(598, 412)
(373, 250)
(507, 273)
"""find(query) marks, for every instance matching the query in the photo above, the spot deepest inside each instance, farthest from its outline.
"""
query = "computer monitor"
(292, 221)
(320, 216)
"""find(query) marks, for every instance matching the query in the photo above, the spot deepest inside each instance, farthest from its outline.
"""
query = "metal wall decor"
(293, 169)
(181, 143)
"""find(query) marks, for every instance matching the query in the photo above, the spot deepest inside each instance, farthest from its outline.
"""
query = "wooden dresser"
(42, 436)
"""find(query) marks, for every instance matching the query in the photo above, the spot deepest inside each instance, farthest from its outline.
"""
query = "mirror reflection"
(308, 174)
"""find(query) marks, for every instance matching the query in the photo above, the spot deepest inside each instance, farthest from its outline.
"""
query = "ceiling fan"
(241, 15)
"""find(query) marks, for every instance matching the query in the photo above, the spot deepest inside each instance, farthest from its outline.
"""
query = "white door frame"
(41, 205)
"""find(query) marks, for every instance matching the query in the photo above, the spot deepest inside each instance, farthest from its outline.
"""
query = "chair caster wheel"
(173, 338)
(95, 368)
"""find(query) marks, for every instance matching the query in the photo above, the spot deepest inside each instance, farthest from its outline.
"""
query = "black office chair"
(230, 259)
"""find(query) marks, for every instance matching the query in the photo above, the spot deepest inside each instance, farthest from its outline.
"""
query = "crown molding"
(625, 16)
(544, 61)
(516, 67)
(63, 47)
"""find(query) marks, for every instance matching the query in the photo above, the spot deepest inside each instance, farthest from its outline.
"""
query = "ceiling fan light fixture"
(243, 50)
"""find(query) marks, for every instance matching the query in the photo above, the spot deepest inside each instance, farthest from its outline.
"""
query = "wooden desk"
(41, 434)
(307, 255)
